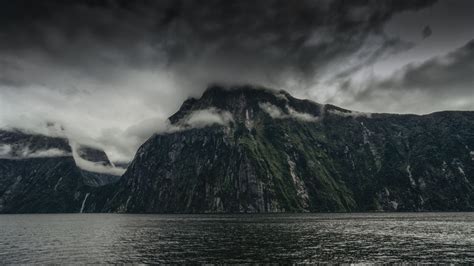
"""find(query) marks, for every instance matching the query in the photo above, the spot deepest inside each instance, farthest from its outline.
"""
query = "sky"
(110, 72)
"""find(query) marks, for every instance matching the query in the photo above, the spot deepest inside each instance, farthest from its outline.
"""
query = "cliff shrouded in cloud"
(115, 70)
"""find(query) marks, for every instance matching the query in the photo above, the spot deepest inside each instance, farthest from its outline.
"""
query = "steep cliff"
(256, 150)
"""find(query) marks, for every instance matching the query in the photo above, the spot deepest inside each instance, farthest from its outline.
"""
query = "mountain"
(250, 149)
(42, 174)
(96, 170)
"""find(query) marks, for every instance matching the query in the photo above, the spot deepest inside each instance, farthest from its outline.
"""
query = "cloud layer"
(8, 151)
(112, 71)
(276, 113)
(444, 82)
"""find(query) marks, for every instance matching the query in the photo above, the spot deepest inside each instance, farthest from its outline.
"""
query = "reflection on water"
(118, 238)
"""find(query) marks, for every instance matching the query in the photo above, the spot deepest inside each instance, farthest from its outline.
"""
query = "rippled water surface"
(117, 238)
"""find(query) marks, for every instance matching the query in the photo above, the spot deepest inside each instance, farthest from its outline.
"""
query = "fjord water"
(119, 238)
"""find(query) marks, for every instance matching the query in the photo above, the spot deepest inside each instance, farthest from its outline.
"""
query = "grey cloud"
(117, 68)
(21, 151)
(426, 32)
(208, 117)
(102, 39)
(443, 82)
(450, 73)
(276, 113)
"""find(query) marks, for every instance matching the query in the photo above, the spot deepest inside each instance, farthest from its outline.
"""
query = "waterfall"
(84, 202)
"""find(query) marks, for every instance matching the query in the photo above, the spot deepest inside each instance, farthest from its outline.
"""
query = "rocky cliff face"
(255, 150)
(39, 174)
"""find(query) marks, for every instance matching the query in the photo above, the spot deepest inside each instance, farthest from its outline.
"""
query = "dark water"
(114, 238)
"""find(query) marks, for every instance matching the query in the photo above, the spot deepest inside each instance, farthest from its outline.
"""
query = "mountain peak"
(244, 102)
(248, 149)
(94, 155)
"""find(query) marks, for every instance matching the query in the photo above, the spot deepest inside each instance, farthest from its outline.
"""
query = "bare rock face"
(256, 150)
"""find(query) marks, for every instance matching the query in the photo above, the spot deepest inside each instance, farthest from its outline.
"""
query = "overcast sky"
(112, 71)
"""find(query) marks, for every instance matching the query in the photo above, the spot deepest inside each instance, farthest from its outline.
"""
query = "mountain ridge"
(279, 154)
(248, 149)
(41, 173)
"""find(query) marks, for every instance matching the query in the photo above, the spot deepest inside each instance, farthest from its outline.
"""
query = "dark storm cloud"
(443, 82)
(264, 40)
(452, 73)
(118, 68)
(93, 40)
